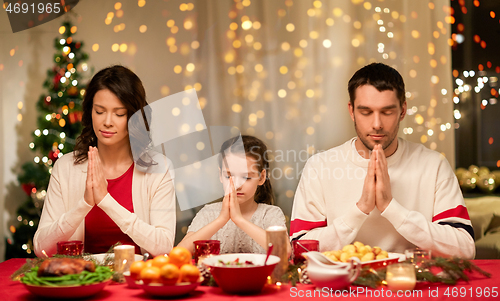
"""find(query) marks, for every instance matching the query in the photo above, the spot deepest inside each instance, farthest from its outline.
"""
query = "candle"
(401, 283)
(124, 256)
(400, 276)
(277, 236)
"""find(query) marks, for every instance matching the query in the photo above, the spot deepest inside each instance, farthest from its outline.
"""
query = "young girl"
(238, 222)
(97, 194)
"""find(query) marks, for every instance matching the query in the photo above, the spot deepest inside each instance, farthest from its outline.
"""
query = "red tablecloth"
(478, 288)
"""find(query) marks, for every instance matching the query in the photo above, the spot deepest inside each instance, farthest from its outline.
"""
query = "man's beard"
(385, 145)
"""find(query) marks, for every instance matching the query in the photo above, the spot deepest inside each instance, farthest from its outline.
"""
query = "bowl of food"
(165, 276)
(241, 273)
(66, 278)
(374, 257)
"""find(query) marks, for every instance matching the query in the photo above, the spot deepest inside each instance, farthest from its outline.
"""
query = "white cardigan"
(151, 226)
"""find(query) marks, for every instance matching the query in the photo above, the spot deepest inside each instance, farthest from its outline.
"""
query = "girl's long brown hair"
(256, 149)
(128, 88)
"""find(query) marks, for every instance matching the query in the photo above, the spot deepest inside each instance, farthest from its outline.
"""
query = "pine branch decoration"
(451, 271)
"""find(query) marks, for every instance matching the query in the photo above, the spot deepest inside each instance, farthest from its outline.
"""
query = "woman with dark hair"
(97, 194)
(238, 222)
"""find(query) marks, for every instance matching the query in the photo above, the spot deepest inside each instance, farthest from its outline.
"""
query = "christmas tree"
(59, 123)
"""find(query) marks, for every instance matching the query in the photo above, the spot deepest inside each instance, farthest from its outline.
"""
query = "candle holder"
(400, 277)
(277, 236)
(124, 256)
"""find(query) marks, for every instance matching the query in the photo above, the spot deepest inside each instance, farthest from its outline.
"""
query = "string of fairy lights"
(244, 40)
(473, 81)
(244, 46)
(482, 84)
(242, 35)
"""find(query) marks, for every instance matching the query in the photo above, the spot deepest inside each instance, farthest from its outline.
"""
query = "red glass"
(70, 248)
(205, 247)
(301, 246)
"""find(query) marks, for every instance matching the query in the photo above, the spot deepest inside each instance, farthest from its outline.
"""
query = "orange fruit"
(149, 263)
(136, 268)
(179, 256)
(189, 273)
(169, 274)
(160, 261)
(150, 275)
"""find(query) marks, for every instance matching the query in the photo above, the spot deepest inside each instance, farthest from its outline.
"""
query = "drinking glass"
(417, 256)
(203, 248)
(70, 248)
(301, 246)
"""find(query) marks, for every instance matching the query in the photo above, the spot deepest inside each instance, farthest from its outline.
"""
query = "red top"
(101, 232)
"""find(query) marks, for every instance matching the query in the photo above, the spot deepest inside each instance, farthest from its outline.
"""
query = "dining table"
(478, 287)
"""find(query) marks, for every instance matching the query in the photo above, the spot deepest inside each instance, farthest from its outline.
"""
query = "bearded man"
(377, 188)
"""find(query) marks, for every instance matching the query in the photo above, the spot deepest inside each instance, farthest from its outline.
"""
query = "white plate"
(103, 257)
(392, 258)
(401, 256)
